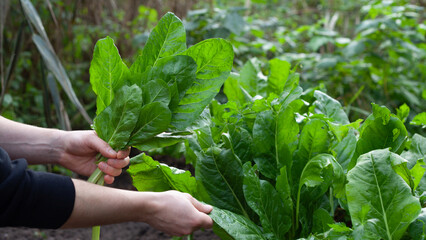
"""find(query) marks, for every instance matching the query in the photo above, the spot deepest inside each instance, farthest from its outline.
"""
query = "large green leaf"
(416, 151)
(166, 39)
(262, 197)
(380, 202)
(154, 118)
(179, 72)
(278, 74)
(264, 144)
(150, 175)
(107, 72)
(156, 90)
(237, 226)
(346, 149)
(220, 175)
(117, 121)
(379, 133)
(239, 142)
(330, 107)
(248, 77)
(314, 139)
(214, 58)
(234, 92)
(417, 229)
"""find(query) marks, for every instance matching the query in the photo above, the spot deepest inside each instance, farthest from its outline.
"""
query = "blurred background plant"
(359, 51)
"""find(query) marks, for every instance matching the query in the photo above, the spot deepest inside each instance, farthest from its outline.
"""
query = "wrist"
(147, 205)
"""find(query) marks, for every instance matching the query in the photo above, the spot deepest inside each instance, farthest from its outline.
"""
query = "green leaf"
(419, 120)
(314, 139)
(220, 175)
(162, 140)
(416, 151)
(168, 38)
(322, 220)
(278, 74)
(234, 92)
(264, 144)
(376, 135)
(346, 149)
(330, 107)
(179, 72)
(235, 225)
(116, 122)
(150, 175)
(402, 112)
(381, 112)
(241, 141)
(379, 200)
(418, 171)
(154, 118)
(248, 77)
(107, 72)
(262, 197)
(156, 91)
(286, 132)
(214, 58)
(417, 229)
(284, 190)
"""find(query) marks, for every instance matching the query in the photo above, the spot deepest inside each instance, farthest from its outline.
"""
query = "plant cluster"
(278, 162)
(164, 90)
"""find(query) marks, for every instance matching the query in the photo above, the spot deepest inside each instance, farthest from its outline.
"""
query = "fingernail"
(112, 151)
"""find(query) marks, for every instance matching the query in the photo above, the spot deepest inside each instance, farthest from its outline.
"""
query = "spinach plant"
(163, 92)
(278, 162)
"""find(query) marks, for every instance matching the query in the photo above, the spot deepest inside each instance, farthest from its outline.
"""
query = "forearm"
(37, 145)
(98, 205)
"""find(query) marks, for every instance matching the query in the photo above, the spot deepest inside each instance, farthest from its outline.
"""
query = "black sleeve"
(33, 199)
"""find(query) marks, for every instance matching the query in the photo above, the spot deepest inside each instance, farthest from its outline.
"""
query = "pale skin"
(172, 212)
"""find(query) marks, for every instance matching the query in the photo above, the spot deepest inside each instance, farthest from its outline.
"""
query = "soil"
(122, 231)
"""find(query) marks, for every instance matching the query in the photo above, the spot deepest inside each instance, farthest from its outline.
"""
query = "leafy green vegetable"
(380, 202)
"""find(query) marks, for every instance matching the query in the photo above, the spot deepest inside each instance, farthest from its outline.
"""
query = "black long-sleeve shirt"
(33, 199)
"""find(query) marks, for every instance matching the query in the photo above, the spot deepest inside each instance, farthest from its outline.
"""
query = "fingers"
(200, 206)
(109, 170)
(101, 146)
(108, 179)
(119, 163)
(123, 153)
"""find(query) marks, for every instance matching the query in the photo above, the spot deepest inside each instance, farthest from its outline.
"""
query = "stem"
(297, 208)
(96, 232)
(97, 177)
(190, 236)
(331, 199)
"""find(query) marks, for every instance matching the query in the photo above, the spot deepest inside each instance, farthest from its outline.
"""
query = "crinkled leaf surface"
(154, 118)
(150, 175)
(330, 107)
(262, 197)
(107, 72)
(221, 176)
(116, 122)
(314, 139)
(214, 58)
(156, 91)
(166, 39)
(237, 226)
(377, 135)
(380, 201)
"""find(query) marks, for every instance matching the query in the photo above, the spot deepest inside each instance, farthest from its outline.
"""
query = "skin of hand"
(79, 150)
(172, 212)
(75, 150)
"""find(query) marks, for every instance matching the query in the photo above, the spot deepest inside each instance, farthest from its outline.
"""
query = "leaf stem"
(96, 232)
(331, 199)
(297, 208)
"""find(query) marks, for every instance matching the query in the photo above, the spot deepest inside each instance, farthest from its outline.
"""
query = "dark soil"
(122, 231)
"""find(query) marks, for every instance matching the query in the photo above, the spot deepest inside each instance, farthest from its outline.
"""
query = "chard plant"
(280, 162)
(155, 101)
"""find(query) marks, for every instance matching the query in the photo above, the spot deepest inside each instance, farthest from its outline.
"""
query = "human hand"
(178, 214)
(79, 150)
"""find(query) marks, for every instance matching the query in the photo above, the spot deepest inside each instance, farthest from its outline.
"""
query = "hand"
(178, 214)
(79, 150)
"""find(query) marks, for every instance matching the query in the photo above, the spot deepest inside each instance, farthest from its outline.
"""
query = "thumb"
(101, 146)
